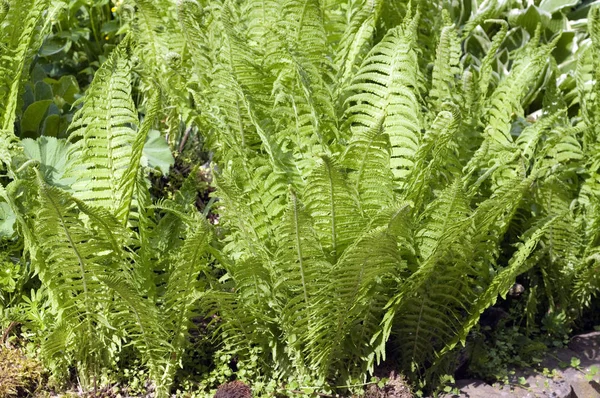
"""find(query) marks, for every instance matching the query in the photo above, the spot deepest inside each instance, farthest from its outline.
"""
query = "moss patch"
(19, 375)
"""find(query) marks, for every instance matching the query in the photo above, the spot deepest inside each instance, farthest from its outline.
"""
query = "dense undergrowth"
(293, 192)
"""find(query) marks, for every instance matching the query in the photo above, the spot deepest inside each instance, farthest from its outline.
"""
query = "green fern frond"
(300, 274)
(587, 282)
(181, 290)
(303, 104)
(486, 68)
(442, 215)
(138, 317)
(489, 9)
(386, 91)
(20, 37)
(367, 159)
(354, 43)
(349, 308)
(446, 69)
(129, 177)
(500, 285)
(104, 130)
(334, 208)
(507, 97)
(71, 257)
(191, 17)
(436, 149)
(588, 77)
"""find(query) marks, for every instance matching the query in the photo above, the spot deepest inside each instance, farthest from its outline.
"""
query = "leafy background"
(296, 194)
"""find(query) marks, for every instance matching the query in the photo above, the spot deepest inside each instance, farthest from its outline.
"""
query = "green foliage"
(382, 173)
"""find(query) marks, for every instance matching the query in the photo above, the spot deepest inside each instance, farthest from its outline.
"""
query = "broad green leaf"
(529, 18)
(552, 6)
(33, 116)
(53, 46)
(55, 126)
(52, 153)
(67, 88)
(157, 153)
(42, 91)
(7, 220)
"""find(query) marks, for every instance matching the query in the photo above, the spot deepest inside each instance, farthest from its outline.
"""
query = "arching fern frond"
(71, 257)
(500, 285)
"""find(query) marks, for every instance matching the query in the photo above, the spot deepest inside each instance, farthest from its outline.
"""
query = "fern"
(20, 38)
(70, 257)
(104, 130)
(386, 92)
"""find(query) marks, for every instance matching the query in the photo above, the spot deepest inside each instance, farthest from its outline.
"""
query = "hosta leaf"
(157, 153)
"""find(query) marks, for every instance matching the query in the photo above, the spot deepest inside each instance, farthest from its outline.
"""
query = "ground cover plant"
(380, 174)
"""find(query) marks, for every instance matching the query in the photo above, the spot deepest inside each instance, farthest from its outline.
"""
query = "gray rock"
(587, 346)
(535, 386)
(582, 388)
(566, 382)
(587, 350)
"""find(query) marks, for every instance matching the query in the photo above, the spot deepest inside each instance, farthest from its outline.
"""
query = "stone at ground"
(561, 381)
(234, 389)
(535, 386)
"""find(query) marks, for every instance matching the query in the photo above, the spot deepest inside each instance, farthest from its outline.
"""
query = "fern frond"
(450, 209)
(180, 292)
(500, 285)
(300, 274)
(354, 43)
(71, 257)
(428, 304)
(104, 128)
(486, 70)
(507, 97)
(347, 311)
(386, 91)
(333, 207)
(130, 175)
(367, 159)
(446, 69)
(191, 17)
(138, 317)
(436, 147)
(20, 38)
(303, 102)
